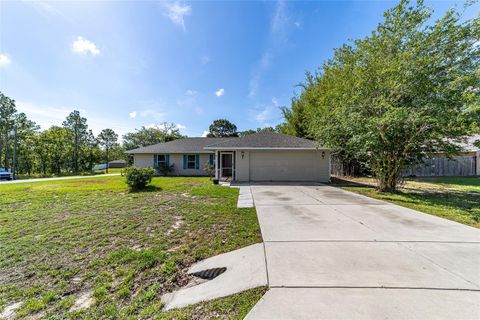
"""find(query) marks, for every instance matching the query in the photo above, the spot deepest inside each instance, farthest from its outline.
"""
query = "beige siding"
(242, 166)
(288, 165)
(143, 160)
(478, 163)
(146, 160)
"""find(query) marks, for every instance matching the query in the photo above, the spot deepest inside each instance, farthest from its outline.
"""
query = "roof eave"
(265, 148)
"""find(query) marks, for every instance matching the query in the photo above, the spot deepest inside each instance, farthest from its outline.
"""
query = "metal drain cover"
(209, 274)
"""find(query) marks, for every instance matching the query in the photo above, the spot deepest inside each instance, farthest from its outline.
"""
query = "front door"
(226, 165)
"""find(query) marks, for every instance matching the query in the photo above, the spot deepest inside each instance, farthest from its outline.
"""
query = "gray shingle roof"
(266, 140)
(187, 145)
(468, 144)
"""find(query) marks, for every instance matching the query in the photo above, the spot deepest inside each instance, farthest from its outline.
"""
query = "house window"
(211, 160)
(190, 161)
(161, 161)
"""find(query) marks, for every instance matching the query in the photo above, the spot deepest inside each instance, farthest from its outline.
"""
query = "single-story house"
(117, 164)
(263, 156)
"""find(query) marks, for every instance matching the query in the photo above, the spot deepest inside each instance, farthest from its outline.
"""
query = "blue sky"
(125, 64)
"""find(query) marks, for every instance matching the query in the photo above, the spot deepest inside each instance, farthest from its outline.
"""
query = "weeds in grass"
(63, 238)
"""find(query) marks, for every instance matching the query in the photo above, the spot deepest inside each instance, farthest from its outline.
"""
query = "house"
(263, 156)
(467, 163)
(117, 164)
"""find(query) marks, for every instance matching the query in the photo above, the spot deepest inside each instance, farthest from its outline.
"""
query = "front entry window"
(227, 165)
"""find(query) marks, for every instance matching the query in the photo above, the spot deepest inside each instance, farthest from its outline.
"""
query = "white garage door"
(284, 166)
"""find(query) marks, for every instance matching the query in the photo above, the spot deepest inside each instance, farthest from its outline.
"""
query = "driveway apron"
(333, 254)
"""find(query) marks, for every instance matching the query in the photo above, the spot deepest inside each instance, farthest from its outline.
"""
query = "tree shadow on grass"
(147, 189)
(339, 182)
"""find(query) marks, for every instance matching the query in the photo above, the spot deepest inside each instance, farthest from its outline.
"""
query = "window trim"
(189, 161)
(194, 163)
(156, 160)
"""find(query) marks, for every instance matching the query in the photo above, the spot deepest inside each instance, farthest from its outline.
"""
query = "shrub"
(165, 170)
(209, 169)
(138, 178)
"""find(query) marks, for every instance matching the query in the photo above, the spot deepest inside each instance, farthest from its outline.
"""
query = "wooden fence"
(466, 164)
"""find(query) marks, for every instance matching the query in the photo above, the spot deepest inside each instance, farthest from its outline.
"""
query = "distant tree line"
(70, 148)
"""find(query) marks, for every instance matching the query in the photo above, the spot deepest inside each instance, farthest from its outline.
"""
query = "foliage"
(108, 138)
(79, 130)
(222, 128)
(138, 178)
(166, 169)
(151, 135)
(408, 90)
(251, 131)
(209, 169)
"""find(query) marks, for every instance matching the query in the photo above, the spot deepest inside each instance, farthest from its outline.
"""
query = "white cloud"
(205, 59)
(176, 12)
(263, 65)
(44, 8)
(4, 60)
(275, 102)
(150, 113)
(220, 92)
(133, 114)
(181, 126)
(266, 114)
(280, 18)
(205, 133)
(84, 46)
(280, 27)
(191, 92)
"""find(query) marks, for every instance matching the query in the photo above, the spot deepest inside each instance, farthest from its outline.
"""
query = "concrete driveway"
(333, 254)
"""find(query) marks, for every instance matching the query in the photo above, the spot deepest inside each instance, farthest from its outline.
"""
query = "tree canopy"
(222, 128)
(406, 91)
(151, 135)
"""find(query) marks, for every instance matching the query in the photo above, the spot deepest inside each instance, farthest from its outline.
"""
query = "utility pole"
(14, 153)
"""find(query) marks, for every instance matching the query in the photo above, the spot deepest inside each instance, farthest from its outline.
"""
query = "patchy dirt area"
(83, 301)
(10, 311)
(82, 249)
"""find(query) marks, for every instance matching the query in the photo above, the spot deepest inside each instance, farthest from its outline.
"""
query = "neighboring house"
(264, 156)
(117, 164)
(467, 163)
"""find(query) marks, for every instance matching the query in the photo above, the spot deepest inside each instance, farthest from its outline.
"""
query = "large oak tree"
(408, 90)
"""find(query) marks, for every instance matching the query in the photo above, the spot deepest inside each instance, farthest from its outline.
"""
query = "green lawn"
(59, 239)
(453, 198)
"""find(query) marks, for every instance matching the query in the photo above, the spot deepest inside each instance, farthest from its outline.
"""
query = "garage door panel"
(283, 166)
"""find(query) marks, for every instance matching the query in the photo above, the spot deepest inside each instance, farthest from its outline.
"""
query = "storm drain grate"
(209, 274)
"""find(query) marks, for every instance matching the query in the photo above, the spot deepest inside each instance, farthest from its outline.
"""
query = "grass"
(67, 174)
(59, 239)
(453, 198)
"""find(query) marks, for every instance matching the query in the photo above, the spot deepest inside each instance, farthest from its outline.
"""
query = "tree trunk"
(107, 159)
